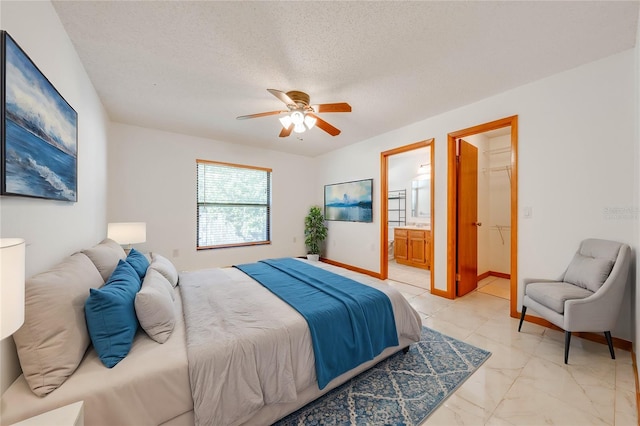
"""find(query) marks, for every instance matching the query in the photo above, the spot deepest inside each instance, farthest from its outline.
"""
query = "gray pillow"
(54, 336)
(588, 272)
(155, 306)
(105, 256)
(165, 267)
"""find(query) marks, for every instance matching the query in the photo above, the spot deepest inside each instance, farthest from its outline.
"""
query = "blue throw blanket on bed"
(350, 323)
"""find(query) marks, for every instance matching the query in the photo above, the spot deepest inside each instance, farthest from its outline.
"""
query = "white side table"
(69, 415)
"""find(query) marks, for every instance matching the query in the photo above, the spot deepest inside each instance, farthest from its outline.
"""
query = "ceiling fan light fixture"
(297, 117)
(300, 114)
(309, 121)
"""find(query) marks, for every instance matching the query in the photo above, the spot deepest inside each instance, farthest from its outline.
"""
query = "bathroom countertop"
(420, 228)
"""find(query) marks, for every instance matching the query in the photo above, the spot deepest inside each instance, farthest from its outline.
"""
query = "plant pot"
(313, 257)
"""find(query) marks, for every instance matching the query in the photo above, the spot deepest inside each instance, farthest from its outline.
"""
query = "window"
(234, 205)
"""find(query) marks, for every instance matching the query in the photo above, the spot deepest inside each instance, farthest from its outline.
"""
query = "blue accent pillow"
(138, 261)
(111, 316)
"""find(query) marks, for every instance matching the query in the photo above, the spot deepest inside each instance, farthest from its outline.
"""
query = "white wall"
(499, 205)
(576, 136)
(152, 179)
(402, 170)
(54, 229)
(399, 176)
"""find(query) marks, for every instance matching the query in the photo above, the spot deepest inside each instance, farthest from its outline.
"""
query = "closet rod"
(499, 169)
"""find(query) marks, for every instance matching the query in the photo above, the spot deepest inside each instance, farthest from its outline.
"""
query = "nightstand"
(69, 415)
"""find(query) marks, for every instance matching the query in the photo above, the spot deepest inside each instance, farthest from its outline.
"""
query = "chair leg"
(607, 335)
(524, 309)
(567, 342)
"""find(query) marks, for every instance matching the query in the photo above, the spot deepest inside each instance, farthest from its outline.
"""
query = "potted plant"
(315, 232)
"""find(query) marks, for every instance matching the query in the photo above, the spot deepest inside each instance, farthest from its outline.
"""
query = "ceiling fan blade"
(286, 131)
(338, 107)
(325, 126)
(283, 97)
(261, 114)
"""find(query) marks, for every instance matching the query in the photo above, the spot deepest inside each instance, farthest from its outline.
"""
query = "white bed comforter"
(247, 348)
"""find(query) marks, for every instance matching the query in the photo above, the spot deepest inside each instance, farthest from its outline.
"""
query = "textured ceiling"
(192, 67)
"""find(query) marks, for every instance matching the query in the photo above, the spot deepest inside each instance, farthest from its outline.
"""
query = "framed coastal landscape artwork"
(39, 131)
(349, 201)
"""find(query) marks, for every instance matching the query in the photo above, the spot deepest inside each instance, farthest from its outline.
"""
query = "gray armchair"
(588, 295)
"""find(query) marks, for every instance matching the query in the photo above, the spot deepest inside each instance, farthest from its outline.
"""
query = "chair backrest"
(600, 311)
(597, 248)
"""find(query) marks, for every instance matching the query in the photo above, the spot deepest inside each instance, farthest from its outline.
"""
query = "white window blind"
(234, 205)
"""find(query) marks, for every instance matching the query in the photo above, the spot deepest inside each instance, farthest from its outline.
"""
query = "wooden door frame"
(384, 201)
(452, 205)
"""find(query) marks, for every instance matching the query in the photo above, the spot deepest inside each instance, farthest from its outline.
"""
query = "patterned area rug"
(401, 390)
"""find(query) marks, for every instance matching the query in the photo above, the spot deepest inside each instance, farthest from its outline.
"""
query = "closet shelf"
(503, 150)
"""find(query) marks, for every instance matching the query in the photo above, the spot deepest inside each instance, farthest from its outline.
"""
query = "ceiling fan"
(301, 114)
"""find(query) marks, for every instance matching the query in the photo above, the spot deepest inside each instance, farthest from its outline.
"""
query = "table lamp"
(12, 253)
(127, 233)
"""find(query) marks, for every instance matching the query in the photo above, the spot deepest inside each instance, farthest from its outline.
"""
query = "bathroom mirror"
(421, 197)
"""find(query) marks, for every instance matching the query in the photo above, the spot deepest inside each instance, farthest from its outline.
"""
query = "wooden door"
(467, 193)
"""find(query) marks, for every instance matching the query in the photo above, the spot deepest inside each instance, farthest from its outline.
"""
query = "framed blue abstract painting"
(39, 131)
(349, 201)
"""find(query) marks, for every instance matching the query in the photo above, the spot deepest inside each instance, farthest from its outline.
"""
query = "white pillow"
(105, 256)
(155, 306)
(165, 267)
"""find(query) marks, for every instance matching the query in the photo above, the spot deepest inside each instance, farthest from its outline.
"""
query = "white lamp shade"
(286, 121)
(297, 117)
(127, 232)
(300, 121)
(11, 285)
(309, 121)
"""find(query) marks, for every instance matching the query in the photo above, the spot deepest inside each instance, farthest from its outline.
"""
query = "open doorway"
(482, 219)
(494, 211)
(407, 214)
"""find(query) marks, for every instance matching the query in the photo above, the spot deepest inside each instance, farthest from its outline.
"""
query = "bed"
(154, 384)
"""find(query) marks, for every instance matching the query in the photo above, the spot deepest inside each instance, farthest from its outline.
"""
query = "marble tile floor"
(525, 381)
(409, 275)
(499, 287)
